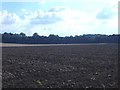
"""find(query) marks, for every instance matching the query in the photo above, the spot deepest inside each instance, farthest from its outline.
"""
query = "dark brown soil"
(74, 66)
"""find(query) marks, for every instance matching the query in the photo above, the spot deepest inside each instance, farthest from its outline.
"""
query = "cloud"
(108, 11)
(45, 18)
(8, 18)
(107, 18)
(40, 17)
(61, 20)
(42, 1)
(105, 13)
(57, 9)
(11, 22)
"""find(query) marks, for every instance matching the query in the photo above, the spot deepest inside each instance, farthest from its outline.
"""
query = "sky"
(59, 17)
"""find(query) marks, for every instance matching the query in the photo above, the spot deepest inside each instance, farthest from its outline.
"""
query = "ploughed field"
(62, 66)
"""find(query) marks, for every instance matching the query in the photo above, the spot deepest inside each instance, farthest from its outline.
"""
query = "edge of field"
(18, 45)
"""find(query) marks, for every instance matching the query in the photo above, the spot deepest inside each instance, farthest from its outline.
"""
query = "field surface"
(60, 66)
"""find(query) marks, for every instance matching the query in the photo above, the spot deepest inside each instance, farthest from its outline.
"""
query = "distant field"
(64, 66)
(17, 45)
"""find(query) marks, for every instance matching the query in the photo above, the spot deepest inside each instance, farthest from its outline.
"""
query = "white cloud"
(45, 18)
(8, 18)
(42, 1)
(40, 16)
(109, 10)
(62, 20)
(10, 22)
(57, 9)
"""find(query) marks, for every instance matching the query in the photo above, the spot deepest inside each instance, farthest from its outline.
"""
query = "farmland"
(60, 66)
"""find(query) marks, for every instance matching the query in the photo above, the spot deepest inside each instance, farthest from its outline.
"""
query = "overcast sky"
(59, 17)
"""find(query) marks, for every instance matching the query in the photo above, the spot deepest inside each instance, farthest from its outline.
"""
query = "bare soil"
(63, 66)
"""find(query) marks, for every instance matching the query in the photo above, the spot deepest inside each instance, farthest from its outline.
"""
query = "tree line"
(55, 39)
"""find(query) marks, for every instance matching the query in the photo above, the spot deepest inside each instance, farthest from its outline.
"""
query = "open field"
(21, 45)
(62, 66)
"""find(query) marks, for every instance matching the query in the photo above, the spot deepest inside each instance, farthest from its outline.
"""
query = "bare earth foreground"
(60, 66)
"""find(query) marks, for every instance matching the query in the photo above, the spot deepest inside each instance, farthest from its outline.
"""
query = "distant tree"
(52, 35)
(35, 35)
(0, 37)
(22, 34)
(55, 39)
(5, 33)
